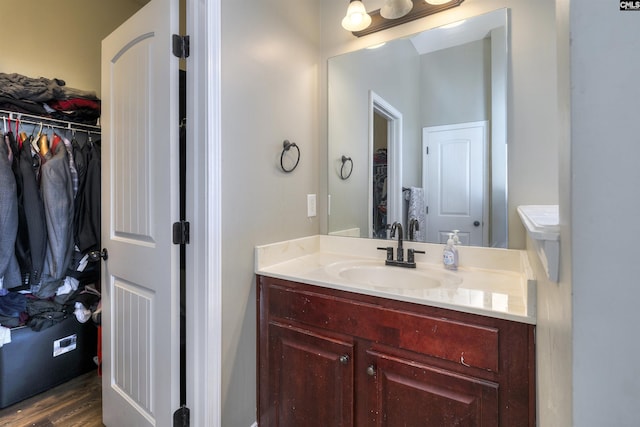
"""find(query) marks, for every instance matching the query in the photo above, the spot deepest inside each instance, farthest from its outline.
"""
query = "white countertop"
(492, 282)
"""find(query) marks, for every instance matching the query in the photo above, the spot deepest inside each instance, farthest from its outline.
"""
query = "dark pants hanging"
(34, 211)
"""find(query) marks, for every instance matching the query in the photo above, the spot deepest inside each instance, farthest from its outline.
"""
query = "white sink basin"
(376, 274)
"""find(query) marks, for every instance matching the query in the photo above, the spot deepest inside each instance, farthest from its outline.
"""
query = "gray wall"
(456, 84)
(393, 75)
(270, 61)
(604, 203)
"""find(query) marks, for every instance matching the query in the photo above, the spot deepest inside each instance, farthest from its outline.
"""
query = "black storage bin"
(37, 361)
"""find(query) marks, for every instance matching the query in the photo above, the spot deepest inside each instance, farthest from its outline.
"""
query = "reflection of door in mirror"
(385, 165)
(453, 175)
(380, 148)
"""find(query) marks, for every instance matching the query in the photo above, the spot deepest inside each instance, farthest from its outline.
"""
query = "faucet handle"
(389, 250)
(411, 256)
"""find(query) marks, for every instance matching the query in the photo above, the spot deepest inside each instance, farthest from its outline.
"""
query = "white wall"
(270, 71)
(59, 40)
(605, 202)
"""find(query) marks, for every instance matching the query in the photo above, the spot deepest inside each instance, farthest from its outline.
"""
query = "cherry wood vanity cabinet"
(334, 358)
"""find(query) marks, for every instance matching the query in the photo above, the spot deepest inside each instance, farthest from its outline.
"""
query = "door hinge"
(181, 233)
(427, 208)
(427, 150)
(181, 417)
(181, 46)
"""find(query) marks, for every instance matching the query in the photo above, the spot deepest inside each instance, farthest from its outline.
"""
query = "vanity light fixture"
(394, 9)
(379, 22)
(357, 18)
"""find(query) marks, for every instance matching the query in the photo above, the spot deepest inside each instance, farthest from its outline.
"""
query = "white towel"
(5, 336)
(418, 211)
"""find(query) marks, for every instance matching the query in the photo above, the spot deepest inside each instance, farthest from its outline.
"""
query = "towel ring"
(286, 146)
(346, 159)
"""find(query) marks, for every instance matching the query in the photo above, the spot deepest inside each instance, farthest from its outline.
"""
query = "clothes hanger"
(43, 144)
(55, 140)
(34, 142)
(22, 135)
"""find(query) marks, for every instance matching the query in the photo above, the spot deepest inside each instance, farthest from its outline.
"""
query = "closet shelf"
(32, 119)
(543, 225)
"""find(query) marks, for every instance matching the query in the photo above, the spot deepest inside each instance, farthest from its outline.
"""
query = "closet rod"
(59, 124)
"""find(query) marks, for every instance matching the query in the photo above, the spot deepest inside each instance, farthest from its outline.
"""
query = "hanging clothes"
(34, 209)
(87, 207)
(9, 269)
(23, 250)
(57, 194)
(42, 191)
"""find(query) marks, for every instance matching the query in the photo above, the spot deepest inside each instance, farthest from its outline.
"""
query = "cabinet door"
(311, 376)
(408, 393)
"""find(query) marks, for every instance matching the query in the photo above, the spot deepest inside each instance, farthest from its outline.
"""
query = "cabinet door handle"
(344, 359)
(371, 371)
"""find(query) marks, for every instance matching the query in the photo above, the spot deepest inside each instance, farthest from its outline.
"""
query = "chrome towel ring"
(287, 145)
(343, 174)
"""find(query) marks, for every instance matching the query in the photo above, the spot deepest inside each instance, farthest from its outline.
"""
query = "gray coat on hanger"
(9, 269)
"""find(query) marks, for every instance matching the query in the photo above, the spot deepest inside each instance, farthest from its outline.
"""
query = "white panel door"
(140, 279)
(453, 176)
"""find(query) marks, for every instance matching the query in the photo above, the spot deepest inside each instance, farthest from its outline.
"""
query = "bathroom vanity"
(339, 349)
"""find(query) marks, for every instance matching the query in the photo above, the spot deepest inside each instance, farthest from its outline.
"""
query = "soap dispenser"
(450, 254)
(456, 239)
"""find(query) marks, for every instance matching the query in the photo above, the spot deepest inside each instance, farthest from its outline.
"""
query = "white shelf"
(543, 225)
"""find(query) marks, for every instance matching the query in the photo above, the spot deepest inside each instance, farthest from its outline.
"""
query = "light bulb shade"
(394, 9)
(437, 2)
(357, 18)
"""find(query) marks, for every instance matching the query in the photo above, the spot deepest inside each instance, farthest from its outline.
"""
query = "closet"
(49, 236)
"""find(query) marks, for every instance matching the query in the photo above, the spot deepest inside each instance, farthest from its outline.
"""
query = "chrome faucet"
(399, 261)
(414, 226)
(400, 253)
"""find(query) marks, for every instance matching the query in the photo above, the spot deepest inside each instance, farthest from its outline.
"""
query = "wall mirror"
(424, 121)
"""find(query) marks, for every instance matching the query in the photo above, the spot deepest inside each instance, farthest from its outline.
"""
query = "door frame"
(378, 104)
(204, 253)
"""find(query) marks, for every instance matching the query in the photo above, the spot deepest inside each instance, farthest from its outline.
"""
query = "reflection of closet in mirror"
(385, 165)
(379, 192)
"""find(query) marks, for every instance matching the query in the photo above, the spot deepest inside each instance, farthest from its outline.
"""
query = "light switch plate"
(311, 205)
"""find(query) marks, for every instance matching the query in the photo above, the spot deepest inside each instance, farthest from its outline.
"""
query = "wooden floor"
(77, 403)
